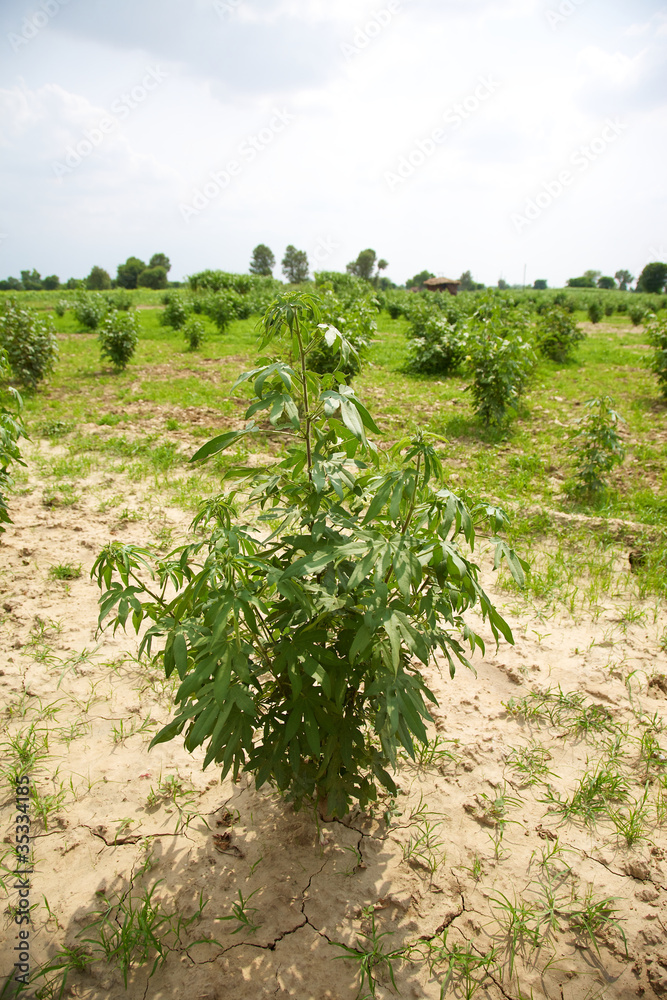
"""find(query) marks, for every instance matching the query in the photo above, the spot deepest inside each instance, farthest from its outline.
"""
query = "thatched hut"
(442, 285)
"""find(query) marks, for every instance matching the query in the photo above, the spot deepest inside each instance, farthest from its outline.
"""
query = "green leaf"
(221, 442)
(180, 654)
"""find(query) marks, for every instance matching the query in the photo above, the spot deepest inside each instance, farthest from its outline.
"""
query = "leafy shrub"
(177, 309)
(90, 309)
(217, 281)
(636, 312)
(595, 311)
(500, 361)
(29, 341)
(118, 337)
(223, 308)
(596, 446)
(194, 333)
(557, 335)
(609, 308)
(357, 322)
(11, 430)
(296, 652)
(657, 335)
(61, 307)
(120, 299)
(436, 346)
(621, 306)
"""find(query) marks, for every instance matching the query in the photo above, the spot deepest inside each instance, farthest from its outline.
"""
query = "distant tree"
(262, 260)
(624, 278)
(540, 284)
(51, 282)
(128, 273)
(652, 278)
(31, 280)
(502, 284)
(385, 283)
(364, 265)
(98, 279)
(11, 285)
(419, 279)
(295, 265)
(593, 275)
(467, 283)
(582, 282)
(75, 283)
(606, 281)
(152, 277)
(160, 260)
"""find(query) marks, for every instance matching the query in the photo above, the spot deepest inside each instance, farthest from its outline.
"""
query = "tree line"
(134, 273)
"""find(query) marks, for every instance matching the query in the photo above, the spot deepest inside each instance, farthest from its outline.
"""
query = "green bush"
(118, 337)
(11, 430)
(90, 308)
(657, 336)
(217, 281)
(499, 359)
(297, 646)
(436, 346)
(357, 322)
(595, 311)
(61, 307)
(176, 310)
(29, 340)
(194, 333)
(557, 335)
(120, 299)
(597, 447)
(636, 312)
(223, 308)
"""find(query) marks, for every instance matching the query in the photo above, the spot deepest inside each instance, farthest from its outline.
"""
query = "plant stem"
(302, 359)
(408, 517)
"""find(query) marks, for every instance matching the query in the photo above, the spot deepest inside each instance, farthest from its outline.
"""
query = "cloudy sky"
(490, 135)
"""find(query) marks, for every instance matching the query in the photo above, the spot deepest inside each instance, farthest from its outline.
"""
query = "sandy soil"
(467, 836)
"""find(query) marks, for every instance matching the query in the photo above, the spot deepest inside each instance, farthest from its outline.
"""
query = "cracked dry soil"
(466, 833)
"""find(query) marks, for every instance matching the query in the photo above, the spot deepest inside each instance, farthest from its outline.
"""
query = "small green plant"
(90, 309)
(194, 333)
(370, 955)
(657, 336)
(295, 647)
(223, 307)
(637, 313)
(177, 310)
(61, 307)
(65, 571)
(499, 361)
(595, 311)
(557, 335)
(424, 849)
(243, 914)
(118, 337)
(128, 930)
(597, 447)
(590, 916)
(461, 966)
(531, 763)
(29, 342)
